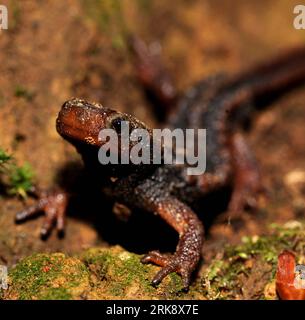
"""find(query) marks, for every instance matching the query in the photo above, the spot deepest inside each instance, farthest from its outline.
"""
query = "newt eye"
(116, 124)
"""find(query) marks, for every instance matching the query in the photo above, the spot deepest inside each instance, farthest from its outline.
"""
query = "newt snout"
(81, 121)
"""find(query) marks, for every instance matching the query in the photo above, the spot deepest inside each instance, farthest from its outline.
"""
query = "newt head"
(80, 122)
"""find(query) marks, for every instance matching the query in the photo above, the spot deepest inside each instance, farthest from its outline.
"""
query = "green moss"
(255, 257)
(97, 273)
(122, 270)
(125, 269)
(4, 157)
(16, 180)
(57, 294)
(98, 261)
(44, 276)
(20, 180)
(175, 285)
(22, 92)
(111, 19)
(108, 16)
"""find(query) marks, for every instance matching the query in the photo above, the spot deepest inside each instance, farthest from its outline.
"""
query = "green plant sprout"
(17, 180)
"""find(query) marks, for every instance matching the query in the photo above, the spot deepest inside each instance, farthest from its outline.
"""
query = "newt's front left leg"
(190, 229)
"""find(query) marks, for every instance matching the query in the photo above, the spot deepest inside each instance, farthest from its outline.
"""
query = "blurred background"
(55, 50)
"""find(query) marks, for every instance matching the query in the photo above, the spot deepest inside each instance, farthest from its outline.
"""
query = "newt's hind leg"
(185, 222)
(153, 76)
(54, 206)
(247, 179)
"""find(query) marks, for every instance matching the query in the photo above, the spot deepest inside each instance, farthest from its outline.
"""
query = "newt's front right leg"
(54, 205)
(190, 229)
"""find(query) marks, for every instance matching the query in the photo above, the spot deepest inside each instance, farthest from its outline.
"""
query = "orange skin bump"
(285, 278)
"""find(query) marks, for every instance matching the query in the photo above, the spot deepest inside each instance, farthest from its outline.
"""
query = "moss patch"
(44, 276)
(98, 273)
(247, 271)
(118, 274)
